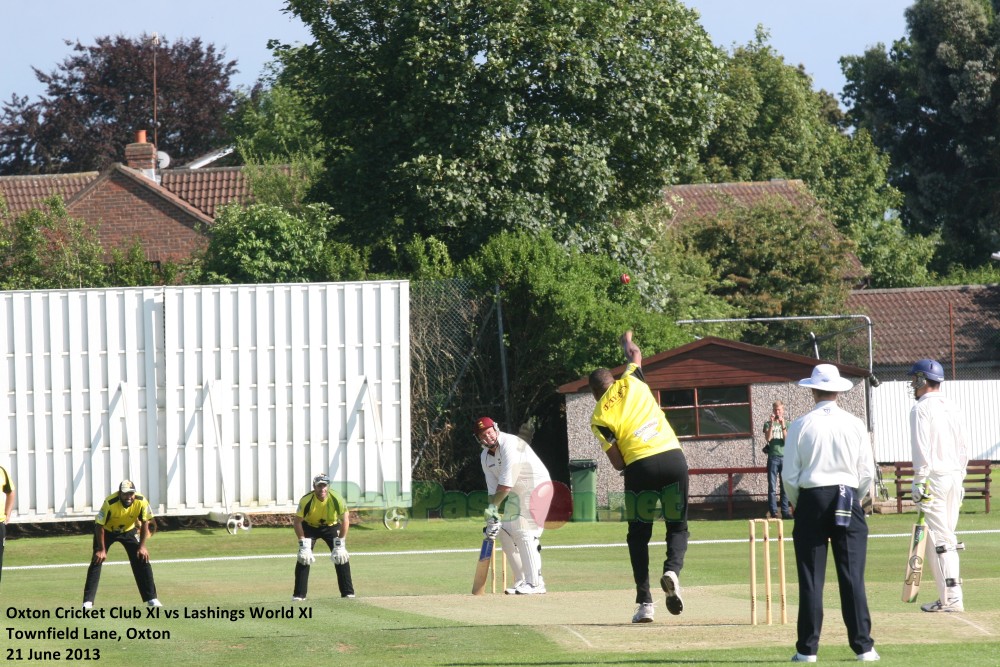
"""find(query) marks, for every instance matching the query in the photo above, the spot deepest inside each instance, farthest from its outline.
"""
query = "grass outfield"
(413, 607)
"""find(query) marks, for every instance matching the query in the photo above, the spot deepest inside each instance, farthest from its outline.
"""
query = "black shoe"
(787, 516)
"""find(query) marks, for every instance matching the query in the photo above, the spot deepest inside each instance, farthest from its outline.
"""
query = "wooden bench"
(977, 482)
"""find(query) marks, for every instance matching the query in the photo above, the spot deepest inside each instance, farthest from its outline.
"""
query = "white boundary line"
(420, 552)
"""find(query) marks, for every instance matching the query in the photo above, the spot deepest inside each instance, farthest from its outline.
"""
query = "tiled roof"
(24, 193)
(708, 199)
(917, 323)
(207, 189)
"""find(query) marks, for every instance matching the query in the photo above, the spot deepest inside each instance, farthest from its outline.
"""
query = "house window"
(709, 412)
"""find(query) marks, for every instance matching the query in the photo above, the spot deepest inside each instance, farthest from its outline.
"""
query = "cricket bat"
(915, 560)
(483, 567)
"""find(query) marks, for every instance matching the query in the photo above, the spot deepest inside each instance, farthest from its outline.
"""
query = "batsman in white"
(515, 473)
(322, 514)
(940, 456)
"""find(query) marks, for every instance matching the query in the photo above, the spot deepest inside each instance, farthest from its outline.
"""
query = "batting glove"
(492, 529)
(306, 552)
(339, 555)
(917, 492)
(491, 512)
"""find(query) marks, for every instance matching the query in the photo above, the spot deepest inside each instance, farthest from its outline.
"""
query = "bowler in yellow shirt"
(631, 427)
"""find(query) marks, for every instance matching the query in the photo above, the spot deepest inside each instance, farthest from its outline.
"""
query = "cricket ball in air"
(626, 279)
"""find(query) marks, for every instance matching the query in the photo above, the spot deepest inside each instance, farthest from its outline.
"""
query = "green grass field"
(414, 608)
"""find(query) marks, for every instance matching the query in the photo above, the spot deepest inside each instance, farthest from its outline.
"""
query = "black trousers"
(344, 583)
(141, 569)
(659, 479)
(3, 543)
(814, 528)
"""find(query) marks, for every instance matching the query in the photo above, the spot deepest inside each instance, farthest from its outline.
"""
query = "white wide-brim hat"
(826, 377)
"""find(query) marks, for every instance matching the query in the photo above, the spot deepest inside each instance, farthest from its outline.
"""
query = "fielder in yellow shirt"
(631, 427)
(124, 518)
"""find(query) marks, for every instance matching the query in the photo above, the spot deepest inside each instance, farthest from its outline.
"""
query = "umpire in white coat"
(829, 466)
(515, 473)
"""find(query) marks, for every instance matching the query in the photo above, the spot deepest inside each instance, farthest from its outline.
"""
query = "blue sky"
(815, 34)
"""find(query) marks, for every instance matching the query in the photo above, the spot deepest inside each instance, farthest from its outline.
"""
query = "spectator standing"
(774, 432)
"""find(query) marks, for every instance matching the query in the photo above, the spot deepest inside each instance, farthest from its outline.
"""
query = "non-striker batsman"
(940, 457)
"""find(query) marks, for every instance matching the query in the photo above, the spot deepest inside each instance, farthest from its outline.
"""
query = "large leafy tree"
(772, 124)
(774, 259)
(456, 120)
(278, 142)
(932, 102)
(100, 95)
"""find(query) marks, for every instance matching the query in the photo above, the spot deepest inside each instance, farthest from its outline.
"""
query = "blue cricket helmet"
(930, 369)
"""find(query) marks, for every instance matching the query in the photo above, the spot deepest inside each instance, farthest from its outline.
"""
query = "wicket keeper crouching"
(322, 514)
(124, 518)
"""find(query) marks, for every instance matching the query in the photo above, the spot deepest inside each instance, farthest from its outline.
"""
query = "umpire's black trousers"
(814, 527)
(661, 478)
(141, 569)
(344, 583)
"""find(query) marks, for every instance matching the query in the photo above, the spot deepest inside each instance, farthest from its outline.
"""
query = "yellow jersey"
(318, 513)
(629, 416)
(6, 485)
(118, 519)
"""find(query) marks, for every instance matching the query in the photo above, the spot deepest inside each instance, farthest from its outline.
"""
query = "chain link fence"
(456, 376)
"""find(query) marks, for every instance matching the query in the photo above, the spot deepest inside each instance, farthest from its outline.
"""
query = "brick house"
(166, 210)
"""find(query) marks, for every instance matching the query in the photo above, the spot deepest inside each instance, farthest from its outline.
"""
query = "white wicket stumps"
(766, 539)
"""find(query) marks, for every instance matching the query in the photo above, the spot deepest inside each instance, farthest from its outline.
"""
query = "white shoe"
(869, 656)
(940, 606)
(513, 589)
(297, 599)
(349, 595)
(154, 603)
(527, 589)
(644, 614)
(88, 605)
(798, 657)
(672, 587)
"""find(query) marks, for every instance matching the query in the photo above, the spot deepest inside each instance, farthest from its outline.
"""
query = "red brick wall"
(123, 210)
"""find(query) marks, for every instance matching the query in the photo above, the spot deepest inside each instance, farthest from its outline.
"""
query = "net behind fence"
(454, 351)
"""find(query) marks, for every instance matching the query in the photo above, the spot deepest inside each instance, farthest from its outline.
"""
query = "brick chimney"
(141, 155)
